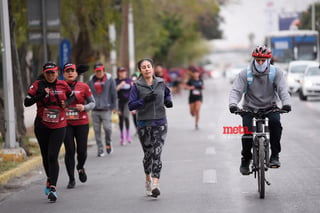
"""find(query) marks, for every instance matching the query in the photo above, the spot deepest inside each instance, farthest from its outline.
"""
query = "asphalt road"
(200, 168)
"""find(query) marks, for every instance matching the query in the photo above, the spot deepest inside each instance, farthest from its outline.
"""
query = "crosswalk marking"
(211, 137)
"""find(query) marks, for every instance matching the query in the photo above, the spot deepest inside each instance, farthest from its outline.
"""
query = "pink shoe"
(128, 136)
(122, 143)
(121, 138)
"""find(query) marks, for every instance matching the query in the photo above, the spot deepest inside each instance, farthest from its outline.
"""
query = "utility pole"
(131, 40)
(10, 137)
(113, 53)
(124, 61)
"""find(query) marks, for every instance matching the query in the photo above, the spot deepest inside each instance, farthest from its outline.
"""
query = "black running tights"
(76, 139)
(50, 141)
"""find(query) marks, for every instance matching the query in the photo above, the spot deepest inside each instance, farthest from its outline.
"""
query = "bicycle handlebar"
(260, 113)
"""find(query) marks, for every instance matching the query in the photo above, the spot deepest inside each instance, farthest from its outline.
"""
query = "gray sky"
(254, 16)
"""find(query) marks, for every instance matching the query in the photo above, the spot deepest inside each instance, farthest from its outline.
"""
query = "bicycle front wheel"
(261, 171)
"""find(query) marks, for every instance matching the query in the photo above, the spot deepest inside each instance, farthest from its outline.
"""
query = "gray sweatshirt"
(108, 99)
(262, 93)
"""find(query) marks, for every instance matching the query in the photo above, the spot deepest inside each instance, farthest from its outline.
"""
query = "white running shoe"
(148, 188)
(155, 190)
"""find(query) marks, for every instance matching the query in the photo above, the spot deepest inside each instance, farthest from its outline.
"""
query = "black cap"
(50, 66)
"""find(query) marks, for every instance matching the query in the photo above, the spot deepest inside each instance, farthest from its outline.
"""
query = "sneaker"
(71, 184)
(101, 154)
(274, 162)
(109, 149)
(47, 188)
(155, 192)
(197, 127)
(52, 196)
(82, 175)
(148, 188)
(122, 142)
(244, 167)
(129, 139)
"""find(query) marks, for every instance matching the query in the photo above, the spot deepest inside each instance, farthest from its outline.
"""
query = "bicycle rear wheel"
(261, 171)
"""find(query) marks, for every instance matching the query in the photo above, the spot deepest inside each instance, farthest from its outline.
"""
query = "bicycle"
(260, 146)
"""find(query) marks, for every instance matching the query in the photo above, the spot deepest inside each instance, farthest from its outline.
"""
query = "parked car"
(295, 74)
(310, 86)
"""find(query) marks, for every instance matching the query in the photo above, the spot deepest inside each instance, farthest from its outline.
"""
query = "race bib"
(196, 92)
(72, 113)
(51, 115)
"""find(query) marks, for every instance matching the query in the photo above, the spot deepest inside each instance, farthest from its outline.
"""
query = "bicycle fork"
(260, 132)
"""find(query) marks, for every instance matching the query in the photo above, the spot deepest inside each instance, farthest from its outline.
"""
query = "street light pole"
(10, 137)
(131, 40)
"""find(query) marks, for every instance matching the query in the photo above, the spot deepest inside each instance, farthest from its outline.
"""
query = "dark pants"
(275, 135)
(75, 135)
(50, 141)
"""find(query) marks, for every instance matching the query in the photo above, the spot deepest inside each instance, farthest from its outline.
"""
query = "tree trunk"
(82, 51)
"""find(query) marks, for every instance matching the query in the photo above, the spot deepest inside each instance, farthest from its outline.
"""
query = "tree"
(305, 20)
(174, 29)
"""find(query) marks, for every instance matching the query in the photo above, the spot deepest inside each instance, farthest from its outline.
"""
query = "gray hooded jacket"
(155, 109)
(262, 93)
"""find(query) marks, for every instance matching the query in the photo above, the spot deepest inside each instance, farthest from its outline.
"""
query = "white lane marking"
(210, 151)
(209, 176)
(211, 137)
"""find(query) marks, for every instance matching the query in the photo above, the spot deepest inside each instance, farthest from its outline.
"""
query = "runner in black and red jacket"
(78, 124)
(52, 96)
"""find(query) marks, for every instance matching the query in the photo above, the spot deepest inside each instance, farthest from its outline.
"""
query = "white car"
(295, 74)
(310, 86)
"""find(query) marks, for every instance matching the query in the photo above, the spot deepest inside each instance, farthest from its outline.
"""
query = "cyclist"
(261, 91)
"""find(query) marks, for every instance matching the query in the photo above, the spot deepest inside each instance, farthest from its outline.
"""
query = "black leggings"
(50, 141)
(125, 120)
(152, 140)
(80, 134)
(124, 115)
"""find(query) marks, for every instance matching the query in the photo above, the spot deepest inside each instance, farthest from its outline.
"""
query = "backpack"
(272, 75)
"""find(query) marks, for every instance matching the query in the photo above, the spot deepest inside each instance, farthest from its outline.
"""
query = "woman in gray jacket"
(149, 96)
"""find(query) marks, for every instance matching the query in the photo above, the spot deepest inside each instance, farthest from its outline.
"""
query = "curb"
(31, 163)
(20, 170)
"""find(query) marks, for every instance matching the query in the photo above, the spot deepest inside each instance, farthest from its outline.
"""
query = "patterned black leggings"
(152, 140)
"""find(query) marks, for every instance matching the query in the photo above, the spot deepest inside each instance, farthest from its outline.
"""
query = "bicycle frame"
(261, 134)
(260, 144)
